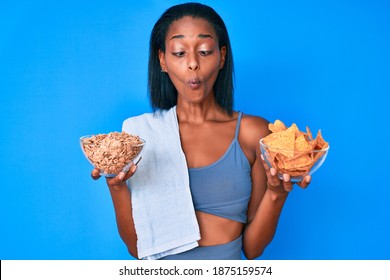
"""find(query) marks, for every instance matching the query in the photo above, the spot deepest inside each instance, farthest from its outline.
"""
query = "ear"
(161, 57)
(222, 52)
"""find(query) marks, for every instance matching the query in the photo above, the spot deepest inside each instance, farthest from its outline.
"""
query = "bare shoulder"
(253, 128)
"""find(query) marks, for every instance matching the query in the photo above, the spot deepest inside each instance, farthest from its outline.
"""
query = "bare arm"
(264, 211)
(269, 193)
(121, 199)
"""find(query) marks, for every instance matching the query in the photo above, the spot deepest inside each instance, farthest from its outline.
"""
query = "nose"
(193, 63)
(193, 66)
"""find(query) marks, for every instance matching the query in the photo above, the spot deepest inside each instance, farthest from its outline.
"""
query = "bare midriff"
(216, 230)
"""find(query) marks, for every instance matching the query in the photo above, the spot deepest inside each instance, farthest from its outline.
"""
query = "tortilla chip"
(294, 129)
(283, 143)
(321, 143)
(301, 144)
(292, 151)
(277, 126)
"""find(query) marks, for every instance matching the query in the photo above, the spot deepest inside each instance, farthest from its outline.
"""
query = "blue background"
(71, 68)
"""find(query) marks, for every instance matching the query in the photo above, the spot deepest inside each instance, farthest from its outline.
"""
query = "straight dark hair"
(162, 93)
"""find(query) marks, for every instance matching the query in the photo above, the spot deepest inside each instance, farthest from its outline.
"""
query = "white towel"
(163, 211)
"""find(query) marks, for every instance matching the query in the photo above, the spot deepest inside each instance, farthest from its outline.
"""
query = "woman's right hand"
(117, 181)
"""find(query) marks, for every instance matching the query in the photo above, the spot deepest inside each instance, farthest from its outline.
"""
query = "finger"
(121, 177)
(95, 174)
(305, 182)
(287, 184)
(271, 173)
(265, 165)
(274, 179)
(124, 175)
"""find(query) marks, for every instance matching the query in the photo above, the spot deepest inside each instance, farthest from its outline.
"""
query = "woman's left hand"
(276, 184)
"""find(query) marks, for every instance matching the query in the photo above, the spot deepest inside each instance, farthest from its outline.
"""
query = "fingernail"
(273, 171)
(134, 168)
(308, 179)
(286, 177)
(121, 175)
(262, 156)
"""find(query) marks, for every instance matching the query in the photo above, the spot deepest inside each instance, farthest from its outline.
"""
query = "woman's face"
(192, 58)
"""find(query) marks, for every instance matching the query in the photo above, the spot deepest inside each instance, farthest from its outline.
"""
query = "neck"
(198, 112)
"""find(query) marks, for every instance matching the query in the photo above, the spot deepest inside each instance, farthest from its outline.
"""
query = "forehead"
(190, 27)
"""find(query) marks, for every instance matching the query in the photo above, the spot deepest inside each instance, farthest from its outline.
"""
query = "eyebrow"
(199, 36)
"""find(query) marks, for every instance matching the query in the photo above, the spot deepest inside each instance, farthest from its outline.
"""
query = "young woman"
(237, 198)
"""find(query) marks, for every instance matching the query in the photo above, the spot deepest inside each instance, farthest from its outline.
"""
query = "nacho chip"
(292, 151)
(303, 161)
(277, 126)
(283, 143)
(309, 135)
(321, 143)
(294, 129)
(301, 144)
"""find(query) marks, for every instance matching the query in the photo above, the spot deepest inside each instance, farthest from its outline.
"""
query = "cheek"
(211, 72)
(177, 81)
(213, 66)
(174, 68)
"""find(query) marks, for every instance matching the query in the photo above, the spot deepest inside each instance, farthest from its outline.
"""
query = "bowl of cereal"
(113, 152)
(291, 151)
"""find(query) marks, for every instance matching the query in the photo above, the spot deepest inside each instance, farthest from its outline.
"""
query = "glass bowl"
(295, 163)
(110, 157)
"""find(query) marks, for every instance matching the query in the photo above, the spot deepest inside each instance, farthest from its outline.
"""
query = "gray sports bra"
(223, 188)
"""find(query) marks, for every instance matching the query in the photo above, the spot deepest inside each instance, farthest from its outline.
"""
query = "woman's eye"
(204, 53)
(178, 54)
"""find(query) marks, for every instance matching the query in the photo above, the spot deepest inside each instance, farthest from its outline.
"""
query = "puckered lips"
(194, 83)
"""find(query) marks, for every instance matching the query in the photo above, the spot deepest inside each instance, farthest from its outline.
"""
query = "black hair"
(162, 93)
